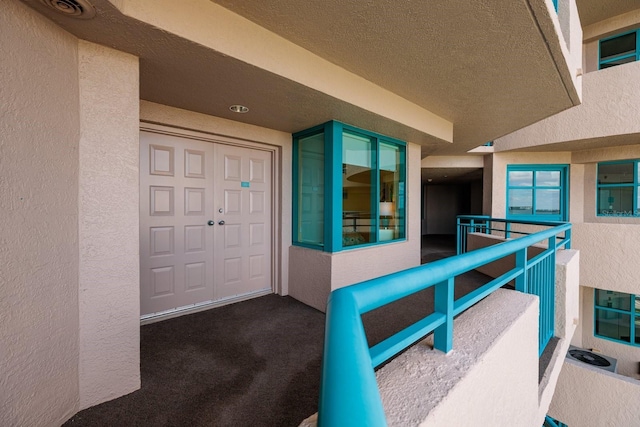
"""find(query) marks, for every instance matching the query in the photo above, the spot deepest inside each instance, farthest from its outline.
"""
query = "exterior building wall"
(314, 274)
(608, 109)
(109, 275)
(590, 397)
(39, 131)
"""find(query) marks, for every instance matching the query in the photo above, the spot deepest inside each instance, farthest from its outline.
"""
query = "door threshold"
(202, 306)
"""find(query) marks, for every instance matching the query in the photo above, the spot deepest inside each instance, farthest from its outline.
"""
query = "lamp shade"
(386, 208)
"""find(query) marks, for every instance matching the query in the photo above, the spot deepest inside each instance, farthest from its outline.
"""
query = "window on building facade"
(619, 49)
(617, 189)
(537, 192)
(617, 316)
(349, 188)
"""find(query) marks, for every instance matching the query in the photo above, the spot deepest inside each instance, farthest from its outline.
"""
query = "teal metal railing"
(349, 393)
(541, 271)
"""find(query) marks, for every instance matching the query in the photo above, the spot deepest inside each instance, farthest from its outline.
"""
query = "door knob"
(210, 222)
(221, 222)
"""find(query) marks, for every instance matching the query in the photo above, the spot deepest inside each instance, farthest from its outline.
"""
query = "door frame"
(276, 210)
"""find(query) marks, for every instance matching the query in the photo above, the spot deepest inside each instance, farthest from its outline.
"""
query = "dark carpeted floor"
(254, 363)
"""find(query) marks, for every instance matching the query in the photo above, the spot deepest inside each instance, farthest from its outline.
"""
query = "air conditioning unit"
(591, 358)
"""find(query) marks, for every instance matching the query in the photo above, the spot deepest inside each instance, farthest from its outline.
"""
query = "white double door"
(205, 222)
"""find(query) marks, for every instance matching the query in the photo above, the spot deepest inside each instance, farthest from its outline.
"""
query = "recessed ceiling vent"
(80, 9)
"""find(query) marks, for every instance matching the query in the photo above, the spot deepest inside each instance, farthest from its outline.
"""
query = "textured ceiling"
(484, 66)
(592, 11)
(481, 65)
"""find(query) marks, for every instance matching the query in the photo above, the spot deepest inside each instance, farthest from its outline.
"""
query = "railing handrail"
(348, 388)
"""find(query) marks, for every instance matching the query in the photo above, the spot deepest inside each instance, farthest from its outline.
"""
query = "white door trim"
(276, 211)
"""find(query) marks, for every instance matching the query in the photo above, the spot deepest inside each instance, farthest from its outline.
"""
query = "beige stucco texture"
(39, 131)
(109, 297)
(478, 383)
(582, 126)
(598, 392)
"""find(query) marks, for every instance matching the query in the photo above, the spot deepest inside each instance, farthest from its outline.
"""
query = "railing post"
(521, 263)
(443, 303)
(458, 243)
(349, 393)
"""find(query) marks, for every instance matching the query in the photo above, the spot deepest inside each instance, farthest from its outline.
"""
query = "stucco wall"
(189, 121)
(39, 129)
(609, 255)
(109, 278)
(590, 397)
(490, 377)
(603, 96)
(356, 265)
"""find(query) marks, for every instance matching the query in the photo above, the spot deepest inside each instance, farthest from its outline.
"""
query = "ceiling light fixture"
(239, 109)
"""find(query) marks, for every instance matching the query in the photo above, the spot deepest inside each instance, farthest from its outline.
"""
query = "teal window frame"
(633, 313)
(333, 191)
(635, 184)
(563, 188)
(607, 63)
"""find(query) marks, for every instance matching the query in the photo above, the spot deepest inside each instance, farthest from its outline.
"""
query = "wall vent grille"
(81, 9)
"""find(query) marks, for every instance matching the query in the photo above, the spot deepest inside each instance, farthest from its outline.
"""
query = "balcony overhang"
(430, 73)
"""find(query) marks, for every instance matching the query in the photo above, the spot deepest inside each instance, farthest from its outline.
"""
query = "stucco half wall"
(313, 274)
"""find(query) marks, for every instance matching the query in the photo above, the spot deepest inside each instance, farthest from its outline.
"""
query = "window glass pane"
(637, 340)
(520, 178)
(391, 202)
(613, 325)
(611, 299)
(548, 178)
(520, 202)
(618, 46)
(547, 202)
(615, 201)
(615, 173)
(358, 181)
(311, 190)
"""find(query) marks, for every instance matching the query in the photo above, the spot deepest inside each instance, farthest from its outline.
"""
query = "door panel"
(243, 252)
(184, 184)
(176, 200)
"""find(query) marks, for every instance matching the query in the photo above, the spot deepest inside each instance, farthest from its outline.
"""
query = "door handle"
(210, 222)
(221, 222)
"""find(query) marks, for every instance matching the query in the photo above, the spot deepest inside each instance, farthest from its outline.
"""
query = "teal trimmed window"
(617, 316)
(619, 49)
(537, 192)
(349, 188)
(618, 188)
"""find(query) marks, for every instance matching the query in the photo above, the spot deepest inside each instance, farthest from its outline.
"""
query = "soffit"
(592, 11)
(484, 67)
(584, 144)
